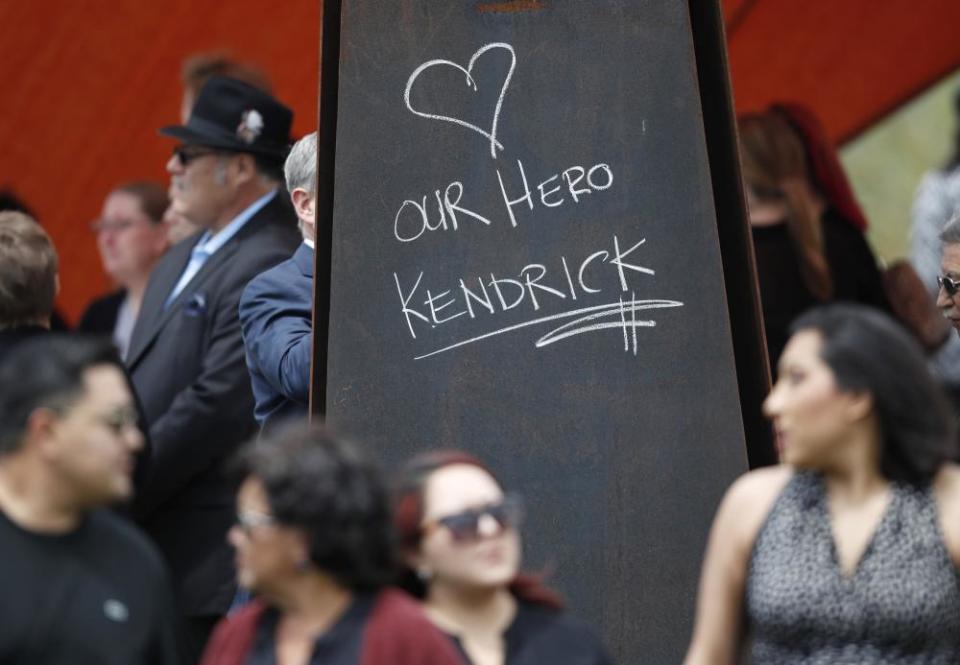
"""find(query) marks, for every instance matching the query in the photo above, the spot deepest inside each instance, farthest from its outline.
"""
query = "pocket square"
(196, 305)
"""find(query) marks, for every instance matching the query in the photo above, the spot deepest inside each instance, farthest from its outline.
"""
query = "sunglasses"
(951, 286)
(464, 527)
(188, 153)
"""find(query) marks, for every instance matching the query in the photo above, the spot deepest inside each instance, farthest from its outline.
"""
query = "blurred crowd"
(163, 499)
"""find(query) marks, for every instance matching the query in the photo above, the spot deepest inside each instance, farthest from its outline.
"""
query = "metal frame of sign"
(330, 14)
(736, 245)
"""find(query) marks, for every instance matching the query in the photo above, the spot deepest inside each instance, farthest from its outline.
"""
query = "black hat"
(233, 115)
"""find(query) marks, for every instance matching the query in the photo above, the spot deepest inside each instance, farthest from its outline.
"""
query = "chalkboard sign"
(525, 263)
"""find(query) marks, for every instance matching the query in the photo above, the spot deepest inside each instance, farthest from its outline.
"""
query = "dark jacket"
(100, 316)
(397, 633)
(11, 337)
(187, 364)
(275, 313)
(538, 635)
(783, 292)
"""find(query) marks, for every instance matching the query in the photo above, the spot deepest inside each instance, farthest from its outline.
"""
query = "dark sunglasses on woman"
(464, 526)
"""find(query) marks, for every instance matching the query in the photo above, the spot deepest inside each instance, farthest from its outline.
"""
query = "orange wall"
(86, 85)
(851, 61)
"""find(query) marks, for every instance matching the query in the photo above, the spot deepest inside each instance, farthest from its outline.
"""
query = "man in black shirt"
(79, 584)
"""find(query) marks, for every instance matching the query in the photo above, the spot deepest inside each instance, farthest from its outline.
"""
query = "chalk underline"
(595, 312)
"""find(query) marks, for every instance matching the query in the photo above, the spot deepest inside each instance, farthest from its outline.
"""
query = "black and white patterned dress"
(901, 605)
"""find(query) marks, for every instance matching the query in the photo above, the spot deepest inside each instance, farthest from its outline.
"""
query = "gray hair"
(300, 169)
(951, 232)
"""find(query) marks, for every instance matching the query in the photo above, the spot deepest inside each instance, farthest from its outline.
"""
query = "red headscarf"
(824, 164)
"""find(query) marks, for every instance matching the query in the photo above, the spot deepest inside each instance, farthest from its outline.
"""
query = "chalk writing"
(415, 216)
(576, 326)
(425, 306)
(598, 178)
(495, 294)
(471, 83)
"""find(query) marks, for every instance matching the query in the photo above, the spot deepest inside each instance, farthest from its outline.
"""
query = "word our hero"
(446, 209)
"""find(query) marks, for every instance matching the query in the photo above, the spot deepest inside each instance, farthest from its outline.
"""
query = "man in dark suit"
(276, 307)
(186, 352)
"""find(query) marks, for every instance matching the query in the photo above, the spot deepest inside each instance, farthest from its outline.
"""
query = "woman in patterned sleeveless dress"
(848, 552)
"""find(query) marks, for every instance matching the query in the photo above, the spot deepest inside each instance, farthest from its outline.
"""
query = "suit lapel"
(303, 257)
(165, 276)
(209, 268)
(154, 319)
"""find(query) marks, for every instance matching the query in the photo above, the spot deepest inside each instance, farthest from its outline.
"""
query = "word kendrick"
(501, 294)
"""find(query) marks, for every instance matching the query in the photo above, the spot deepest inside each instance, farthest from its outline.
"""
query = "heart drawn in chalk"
(492, 134)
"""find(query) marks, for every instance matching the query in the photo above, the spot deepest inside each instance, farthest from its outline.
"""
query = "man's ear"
(244, 168)
(301, 550)
(305, 205)
(37, 435)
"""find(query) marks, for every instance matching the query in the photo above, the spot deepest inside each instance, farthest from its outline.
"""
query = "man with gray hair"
(948, 295)
(945, 357)
(277, 306)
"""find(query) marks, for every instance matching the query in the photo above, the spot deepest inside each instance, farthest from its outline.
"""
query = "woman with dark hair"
(459, 540)
(313, 540)
(807, 228)
(849, 552)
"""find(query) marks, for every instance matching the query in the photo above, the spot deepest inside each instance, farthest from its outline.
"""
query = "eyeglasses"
(188, 153)
(951, 286)
(248, 521)
(464, 527)
(119, 420)
(103, 226)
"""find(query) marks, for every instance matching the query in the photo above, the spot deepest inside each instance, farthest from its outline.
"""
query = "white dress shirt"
(208, 244)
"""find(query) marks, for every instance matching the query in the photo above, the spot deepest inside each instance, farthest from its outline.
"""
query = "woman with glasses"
(313, 542)
(850, 551)
(459, 539)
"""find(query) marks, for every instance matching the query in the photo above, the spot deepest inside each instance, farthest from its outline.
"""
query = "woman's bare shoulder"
(946, 489)
(750, 498)
(760, 485)
(948, 478)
